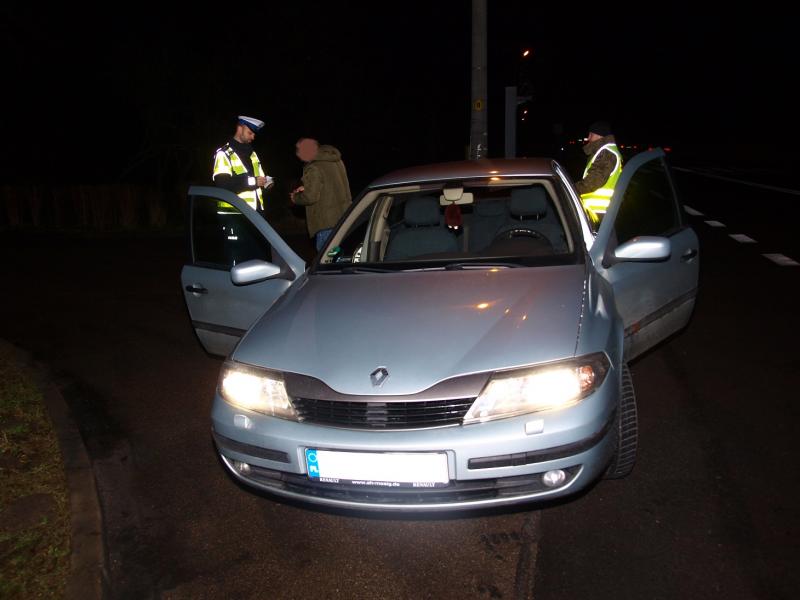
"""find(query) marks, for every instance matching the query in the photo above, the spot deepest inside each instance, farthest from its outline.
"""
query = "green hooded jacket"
(326, 193)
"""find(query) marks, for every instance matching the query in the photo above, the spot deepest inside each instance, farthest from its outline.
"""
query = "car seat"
(423, 231)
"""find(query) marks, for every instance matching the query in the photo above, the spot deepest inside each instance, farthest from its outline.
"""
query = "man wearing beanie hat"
(602, 170)
(237, 167)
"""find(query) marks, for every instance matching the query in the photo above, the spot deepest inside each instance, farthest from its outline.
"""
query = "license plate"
(381, 469)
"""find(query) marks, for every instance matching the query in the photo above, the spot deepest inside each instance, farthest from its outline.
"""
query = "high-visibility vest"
(596, 202)
(227, 162)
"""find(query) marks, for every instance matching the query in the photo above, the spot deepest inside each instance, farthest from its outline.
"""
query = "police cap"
(252, 123)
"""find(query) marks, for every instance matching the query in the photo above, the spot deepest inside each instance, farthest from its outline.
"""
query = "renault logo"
(378, 376)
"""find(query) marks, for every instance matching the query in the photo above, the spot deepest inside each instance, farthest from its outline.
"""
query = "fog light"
(243, 468)
(554, 478)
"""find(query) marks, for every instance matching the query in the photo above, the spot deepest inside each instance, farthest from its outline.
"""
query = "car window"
(222, 236)
(349, 248)
(649, 206)
(486, 222)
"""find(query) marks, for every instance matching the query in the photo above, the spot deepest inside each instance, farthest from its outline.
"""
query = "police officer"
(602, 171)
(237, 167)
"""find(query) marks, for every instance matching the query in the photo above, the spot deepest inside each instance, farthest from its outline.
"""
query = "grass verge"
(34, 506)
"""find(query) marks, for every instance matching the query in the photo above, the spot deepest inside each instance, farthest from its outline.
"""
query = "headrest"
(422, 210)
(492, 208)
(526, 202)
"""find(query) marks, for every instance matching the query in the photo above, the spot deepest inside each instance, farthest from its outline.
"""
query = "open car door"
(224, 232)
(655, 296)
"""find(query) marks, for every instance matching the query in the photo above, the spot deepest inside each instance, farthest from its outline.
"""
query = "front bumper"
(489, 464)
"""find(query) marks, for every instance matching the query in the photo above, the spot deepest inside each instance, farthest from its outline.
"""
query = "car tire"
(627, 430)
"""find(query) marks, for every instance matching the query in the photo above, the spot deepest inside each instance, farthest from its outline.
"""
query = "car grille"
(383, 415)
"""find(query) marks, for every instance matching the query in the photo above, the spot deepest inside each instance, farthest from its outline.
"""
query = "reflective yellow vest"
(227, 162)
(596, 202)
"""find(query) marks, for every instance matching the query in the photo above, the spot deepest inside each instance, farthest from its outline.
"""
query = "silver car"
(461, 342)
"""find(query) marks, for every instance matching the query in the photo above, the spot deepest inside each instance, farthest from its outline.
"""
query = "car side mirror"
(645, 248)
(253, 271)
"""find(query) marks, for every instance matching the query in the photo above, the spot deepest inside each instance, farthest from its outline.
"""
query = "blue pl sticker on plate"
(312, 463)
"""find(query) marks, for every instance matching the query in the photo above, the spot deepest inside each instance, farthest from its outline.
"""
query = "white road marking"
(742, 238)
(780, 259)
(692, 211)
(773, 188)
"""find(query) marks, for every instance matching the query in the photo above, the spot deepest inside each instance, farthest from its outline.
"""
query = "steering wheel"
(521, 232)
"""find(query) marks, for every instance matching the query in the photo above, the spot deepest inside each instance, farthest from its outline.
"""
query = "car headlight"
(255, 389)
(550, 387)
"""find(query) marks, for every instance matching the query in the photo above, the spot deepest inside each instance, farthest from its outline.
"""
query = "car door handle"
(196, 289)
(689, 255)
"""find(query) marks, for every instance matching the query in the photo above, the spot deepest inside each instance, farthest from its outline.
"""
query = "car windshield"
(449, 225)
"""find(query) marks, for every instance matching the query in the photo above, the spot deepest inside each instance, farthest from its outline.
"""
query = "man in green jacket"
(325, 191)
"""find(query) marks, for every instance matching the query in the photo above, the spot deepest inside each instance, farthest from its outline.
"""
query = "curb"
(87, 555)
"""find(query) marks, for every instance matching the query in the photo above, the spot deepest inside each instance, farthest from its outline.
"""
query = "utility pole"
(478, 131)
(511, 121)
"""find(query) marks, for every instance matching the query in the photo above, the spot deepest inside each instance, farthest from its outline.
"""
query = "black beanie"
(601, 128)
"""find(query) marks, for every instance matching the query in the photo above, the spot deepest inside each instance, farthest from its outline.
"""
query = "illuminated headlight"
(254, 389)
(550, 387)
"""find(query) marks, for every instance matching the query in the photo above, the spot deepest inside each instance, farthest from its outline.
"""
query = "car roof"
(469, 169)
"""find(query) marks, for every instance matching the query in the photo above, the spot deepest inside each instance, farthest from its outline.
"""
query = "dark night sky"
(140, 95)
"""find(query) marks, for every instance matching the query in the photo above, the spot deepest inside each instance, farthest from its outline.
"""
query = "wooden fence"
(90, 207)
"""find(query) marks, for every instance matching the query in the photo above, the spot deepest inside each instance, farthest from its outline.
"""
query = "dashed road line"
(742, 238)
(692, 211)
(780, 259)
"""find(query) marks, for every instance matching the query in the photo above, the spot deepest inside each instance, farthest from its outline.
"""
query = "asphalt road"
(711, 510)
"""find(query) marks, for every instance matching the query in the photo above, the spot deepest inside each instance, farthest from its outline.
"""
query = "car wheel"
(627, 430)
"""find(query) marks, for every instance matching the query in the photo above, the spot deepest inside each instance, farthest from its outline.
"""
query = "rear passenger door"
(655, 299)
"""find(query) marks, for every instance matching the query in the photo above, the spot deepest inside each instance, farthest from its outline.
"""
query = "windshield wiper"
(352, 270)
(460, 266)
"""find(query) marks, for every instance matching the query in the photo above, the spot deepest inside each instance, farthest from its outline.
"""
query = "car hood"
(423, 327)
